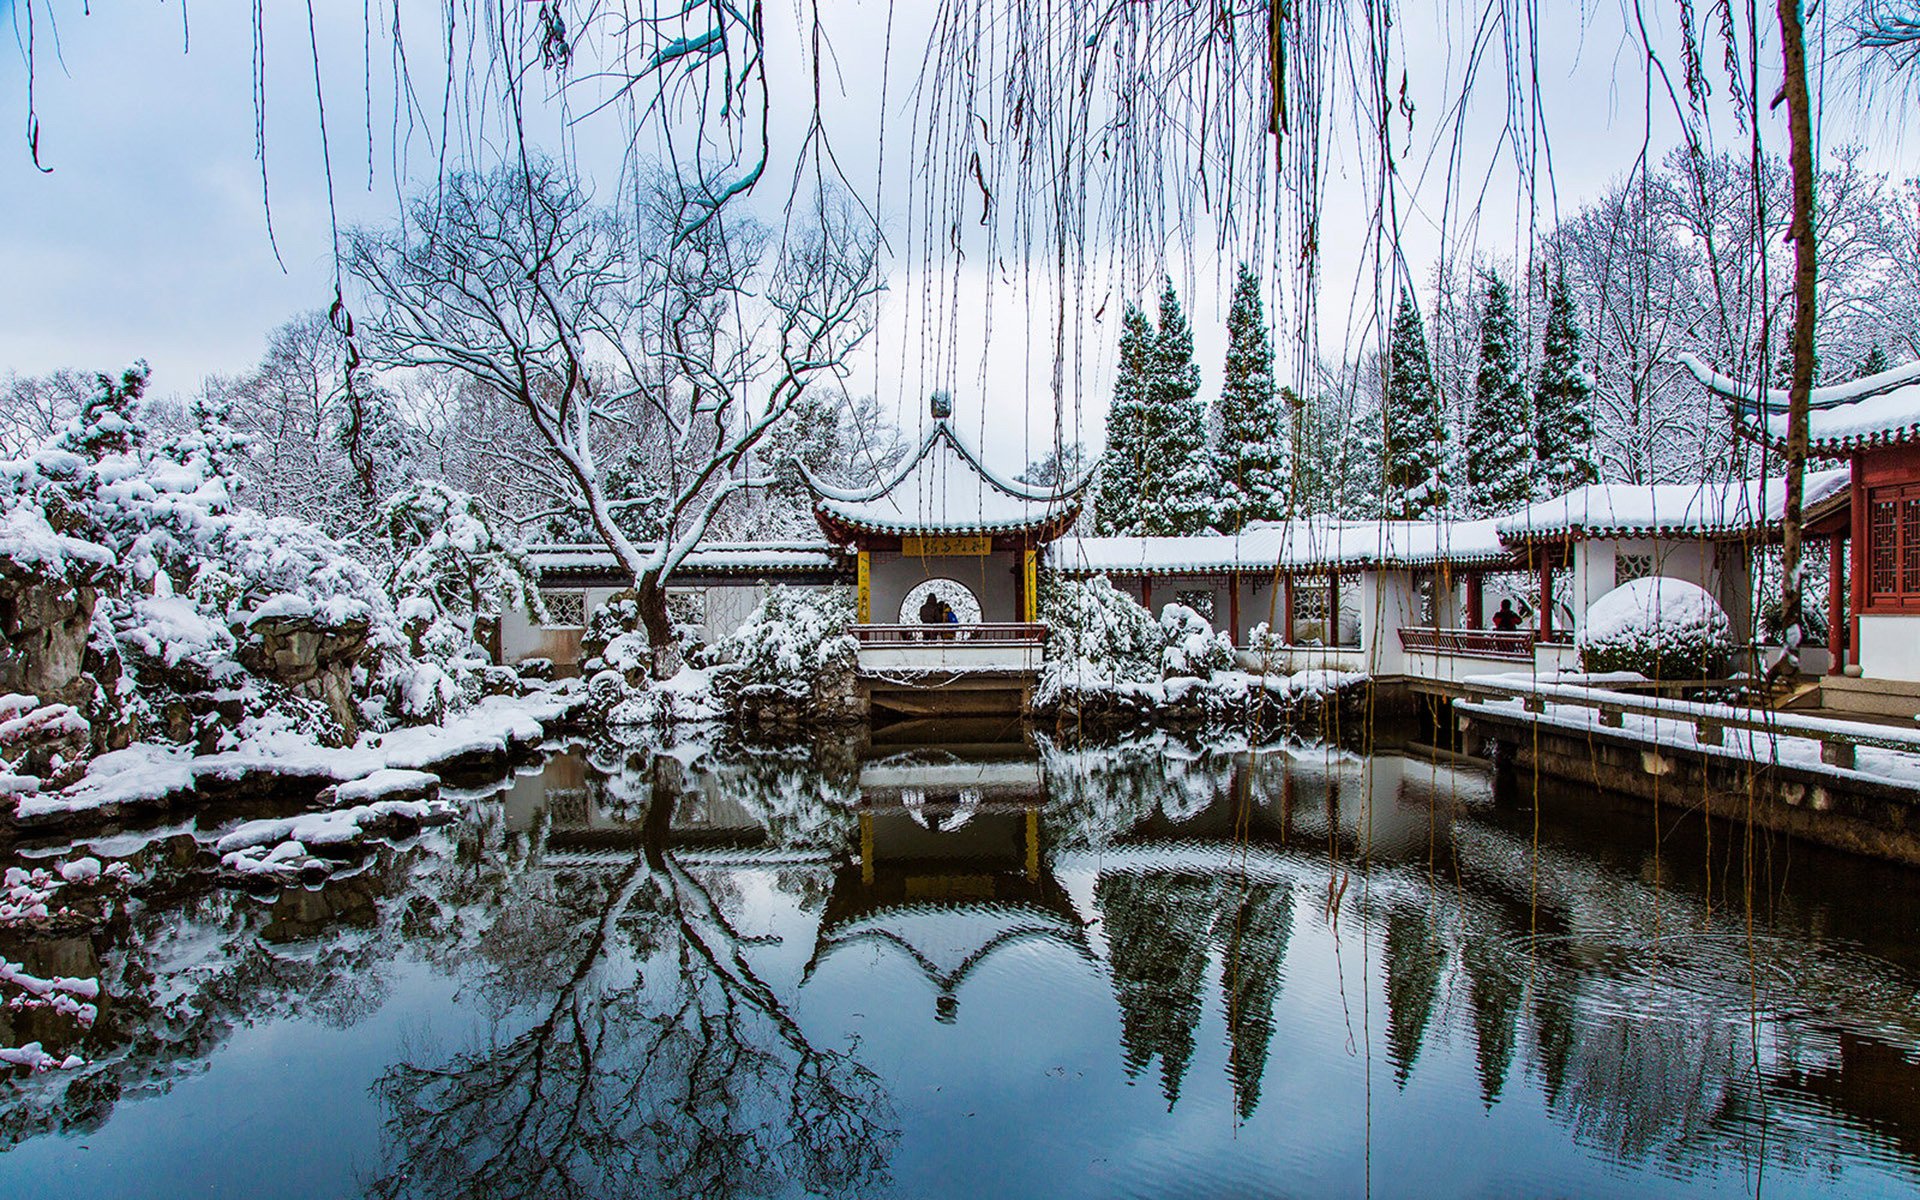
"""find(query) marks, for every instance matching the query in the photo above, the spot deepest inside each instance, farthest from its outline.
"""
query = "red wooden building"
(1873, 424)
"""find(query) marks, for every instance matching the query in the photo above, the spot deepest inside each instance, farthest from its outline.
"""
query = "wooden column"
(1330, 633)
(1476, 601)
(1836, 610)
(1857, 508)
(1233, 610)
(1146, 592)
(1029, 585)
(1546, 596)
(1286, 608)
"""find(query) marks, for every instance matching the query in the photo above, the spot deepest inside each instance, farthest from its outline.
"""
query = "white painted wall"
(727, 608)
(1890, 647)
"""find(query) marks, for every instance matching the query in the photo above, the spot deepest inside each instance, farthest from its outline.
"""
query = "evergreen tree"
(1499, 439)
(1251, 459)
(109, 422)
(1182, 488)
(1414, 442)
(1562, 402)
(1874, 363)
(1120, 493)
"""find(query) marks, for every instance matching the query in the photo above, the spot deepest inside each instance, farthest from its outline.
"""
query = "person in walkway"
(931, 612)
(1506, 620)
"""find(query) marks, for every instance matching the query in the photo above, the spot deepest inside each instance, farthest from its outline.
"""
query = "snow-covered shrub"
(1193, 648)
(1663, 628)
(617, 616)
(1098, 639)
(794, 638)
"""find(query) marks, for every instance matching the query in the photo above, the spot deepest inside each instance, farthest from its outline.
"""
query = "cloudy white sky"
(148, 238)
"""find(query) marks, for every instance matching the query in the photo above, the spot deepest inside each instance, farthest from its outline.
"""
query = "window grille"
(1629, 567)
(1199, 601)
(1893, 547)
(565, 610)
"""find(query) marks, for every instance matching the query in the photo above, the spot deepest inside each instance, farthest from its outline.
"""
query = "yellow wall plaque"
(949, 545)
(864, 580)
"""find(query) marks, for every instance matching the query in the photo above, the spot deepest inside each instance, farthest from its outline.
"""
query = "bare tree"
(597, 327)
(35, 407)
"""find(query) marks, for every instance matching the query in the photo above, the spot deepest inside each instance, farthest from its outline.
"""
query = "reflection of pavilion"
(950, 871)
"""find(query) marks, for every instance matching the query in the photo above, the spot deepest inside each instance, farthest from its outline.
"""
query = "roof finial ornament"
(940, 404)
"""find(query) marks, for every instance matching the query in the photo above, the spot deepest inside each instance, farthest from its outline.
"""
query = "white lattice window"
(1629, 567)
(687, 606)
(565, 610)
(1200, 602)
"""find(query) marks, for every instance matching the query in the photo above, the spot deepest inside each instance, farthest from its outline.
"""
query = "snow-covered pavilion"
(1874, 425)
(947, 557)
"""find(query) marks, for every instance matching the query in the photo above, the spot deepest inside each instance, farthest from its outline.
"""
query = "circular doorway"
(919, 606)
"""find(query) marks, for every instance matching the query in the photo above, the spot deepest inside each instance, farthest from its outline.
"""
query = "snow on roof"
(1878, 410)
(945, 488)
(1703, 509)
(716, 557)
(1308, 543)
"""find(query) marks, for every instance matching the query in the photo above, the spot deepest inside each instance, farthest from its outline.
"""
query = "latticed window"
(1893, 546)
(565, 610)
(1629, 567)
(1199, 602)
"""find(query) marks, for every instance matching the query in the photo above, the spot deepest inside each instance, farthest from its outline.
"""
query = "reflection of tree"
(1254, 934)
(656, 1063)
(1156, 929)
(1416, 957)
(1494, 990)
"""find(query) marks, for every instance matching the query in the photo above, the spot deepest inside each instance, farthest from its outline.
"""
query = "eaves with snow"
(1734, 508)
(1313, 543)
(1861, 414)
(714, 558)
(945, 488)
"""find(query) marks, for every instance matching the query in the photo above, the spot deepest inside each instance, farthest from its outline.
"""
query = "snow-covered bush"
(1193, 648)
(1663, 628)
(793, 639)
(1098, 639)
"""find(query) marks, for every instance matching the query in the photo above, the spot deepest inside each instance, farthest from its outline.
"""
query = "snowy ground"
(149, 775)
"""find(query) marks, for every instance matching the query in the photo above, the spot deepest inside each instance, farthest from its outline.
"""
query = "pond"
(993, 969)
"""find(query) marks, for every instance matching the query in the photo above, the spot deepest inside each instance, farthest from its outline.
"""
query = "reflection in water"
(733, 972)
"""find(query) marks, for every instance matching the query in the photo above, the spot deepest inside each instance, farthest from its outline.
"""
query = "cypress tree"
(1414, 441)
(1251, 460)
(1499, 441)
(1874, 363)
(1123, 484)
(1180, 488)
(1562, 402)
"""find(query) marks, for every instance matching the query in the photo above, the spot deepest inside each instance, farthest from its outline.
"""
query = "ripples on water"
(1142, 969)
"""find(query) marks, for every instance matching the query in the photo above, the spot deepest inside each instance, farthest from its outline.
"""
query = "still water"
(1144, 969)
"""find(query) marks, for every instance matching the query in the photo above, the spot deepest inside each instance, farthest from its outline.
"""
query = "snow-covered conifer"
(1182, 487)
(1562, 402)
(1118, 499)
(1499, 438)
(109, 422)
(1874, 363)
(1414, 445)
(1251, 458)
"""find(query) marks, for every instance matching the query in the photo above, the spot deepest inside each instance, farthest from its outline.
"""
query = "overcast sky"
(149, 237)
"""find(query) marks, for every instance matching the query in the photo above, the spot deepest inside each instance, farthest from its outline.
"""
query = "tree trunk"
(652, 599)
(1805, 277)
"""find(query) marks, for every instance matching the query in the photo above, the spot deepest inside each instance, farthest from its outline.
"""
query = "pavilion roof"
(1878, 410)
(944, 488)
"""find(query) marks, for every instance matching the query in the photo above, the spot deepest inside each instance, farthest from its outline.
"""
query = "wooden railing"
(1838, 739)
(1003, 633)
(1475, 643)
